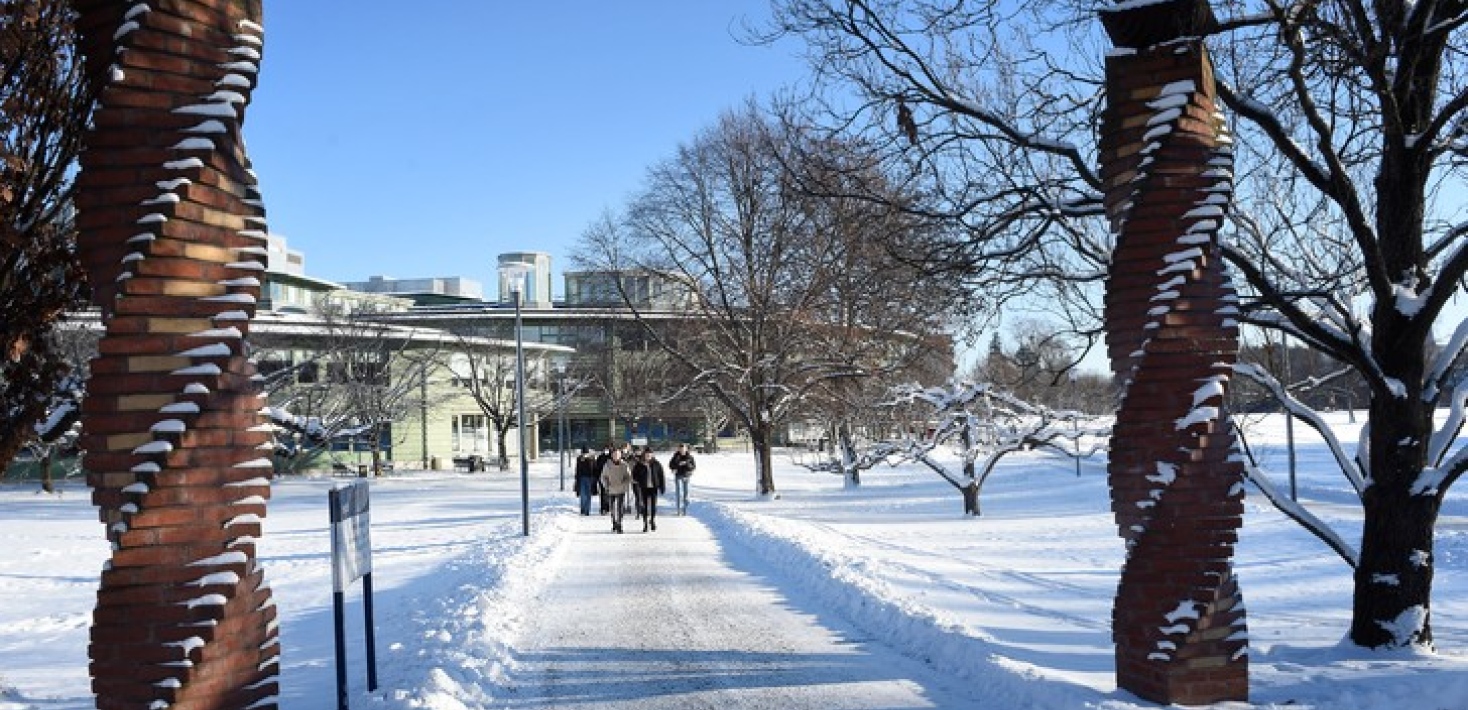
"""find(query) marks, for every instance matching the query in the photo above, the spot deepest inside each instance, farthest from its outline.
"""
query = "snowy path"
(668, 620)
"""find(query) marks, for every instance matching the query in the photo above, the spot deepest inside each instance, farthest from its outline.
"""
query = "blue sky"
(423, 139)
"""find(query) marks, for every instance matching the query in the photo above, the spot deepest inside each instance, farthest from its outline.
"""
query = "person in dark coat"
(682, 464)
(601, 461)
(647, 476)
(635, 458)
(586, 479)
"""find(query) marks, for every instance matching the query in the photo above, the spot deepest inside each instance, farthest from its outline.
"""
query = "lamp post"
(514, 275)
(561, 425)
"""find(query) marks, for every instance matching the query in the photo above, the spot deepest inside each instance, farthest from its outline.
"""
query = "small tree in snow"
(983, 425)
(59, 431)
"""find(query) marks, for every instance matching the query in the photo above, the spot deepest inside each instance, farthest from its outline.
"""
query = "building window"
(470, 433)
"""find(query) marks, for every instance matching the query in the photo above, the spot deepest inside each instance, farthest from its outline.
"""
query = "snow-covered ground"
(1006, 611)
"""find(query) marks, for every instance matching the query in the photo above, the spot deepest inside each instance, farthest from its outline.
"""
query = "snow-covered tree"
(1310, 375)
(859, 421)
(744, 227)
(1350, 122)
(74, 344)
(343, 377)
(983, 425)
(58, 432)
(853, 454)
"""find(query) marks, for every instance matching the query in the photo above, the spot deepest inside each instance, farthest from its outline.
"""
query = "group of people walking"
(617, 470)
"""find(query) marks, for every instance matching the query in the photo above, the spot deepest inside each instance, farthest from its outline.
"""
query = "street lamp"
(513, 275)
(560, 366)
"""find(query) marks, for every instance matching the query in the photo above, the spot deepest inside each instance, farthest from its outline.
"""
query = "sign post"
(351, 558)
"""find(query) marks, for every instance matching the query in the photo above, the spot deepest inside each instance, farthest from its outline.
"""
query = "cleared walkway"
(665, 620)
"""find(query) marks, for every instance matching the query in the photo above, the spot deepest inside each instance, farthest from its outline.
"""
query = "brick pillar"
(1177, 494)
(172, 234)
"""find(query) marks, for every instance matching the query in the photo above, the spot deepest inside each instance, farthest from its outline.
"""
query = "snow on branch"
(1350, 467)
(1442, 364)
(58, 421)
(1434, 479)
(1296, 512)
(891, 453)
(1444, 436)
(1440, 469)
(315, 429)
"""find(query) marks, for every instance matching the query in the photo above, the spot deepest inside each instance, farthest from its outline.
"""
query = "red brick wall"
(1177, 495)
(172, 236)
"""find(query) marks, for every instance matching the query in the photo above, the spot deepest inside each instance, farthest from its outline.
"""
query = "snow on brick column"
(1177, 493)
(172, 234)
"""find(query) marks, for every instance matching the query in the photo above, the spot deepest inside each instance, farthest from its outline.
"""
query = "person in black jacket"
(586, 479)
(647, 476)
(682, 464)
(601, 460)
(635, 458)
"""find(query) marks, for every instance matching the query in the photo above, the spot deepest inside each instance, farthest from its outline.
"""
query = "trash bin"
(433, 463)
(361, 470)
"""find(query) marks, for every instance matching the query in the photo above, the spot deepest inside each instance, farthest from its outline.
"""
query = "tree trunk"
(1393, 581)
(971, 498)
(375, 448)
(499, 441)
(971, 491)
(1393, 584)
(46, 484)
(759, 437)
(848, 456)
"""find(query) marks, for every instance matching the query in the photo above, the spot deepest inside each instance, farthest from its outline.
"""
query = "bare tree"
(484, 365)
(488, 375)
(384, 382)
(635, 378)
(1348, 225)
(756, 263)
(1041, 368)
(45, 100)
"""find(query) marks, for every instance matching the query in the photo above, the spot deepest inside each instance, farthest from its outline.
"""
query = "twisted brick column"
(1177, 494)
(173, 239)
